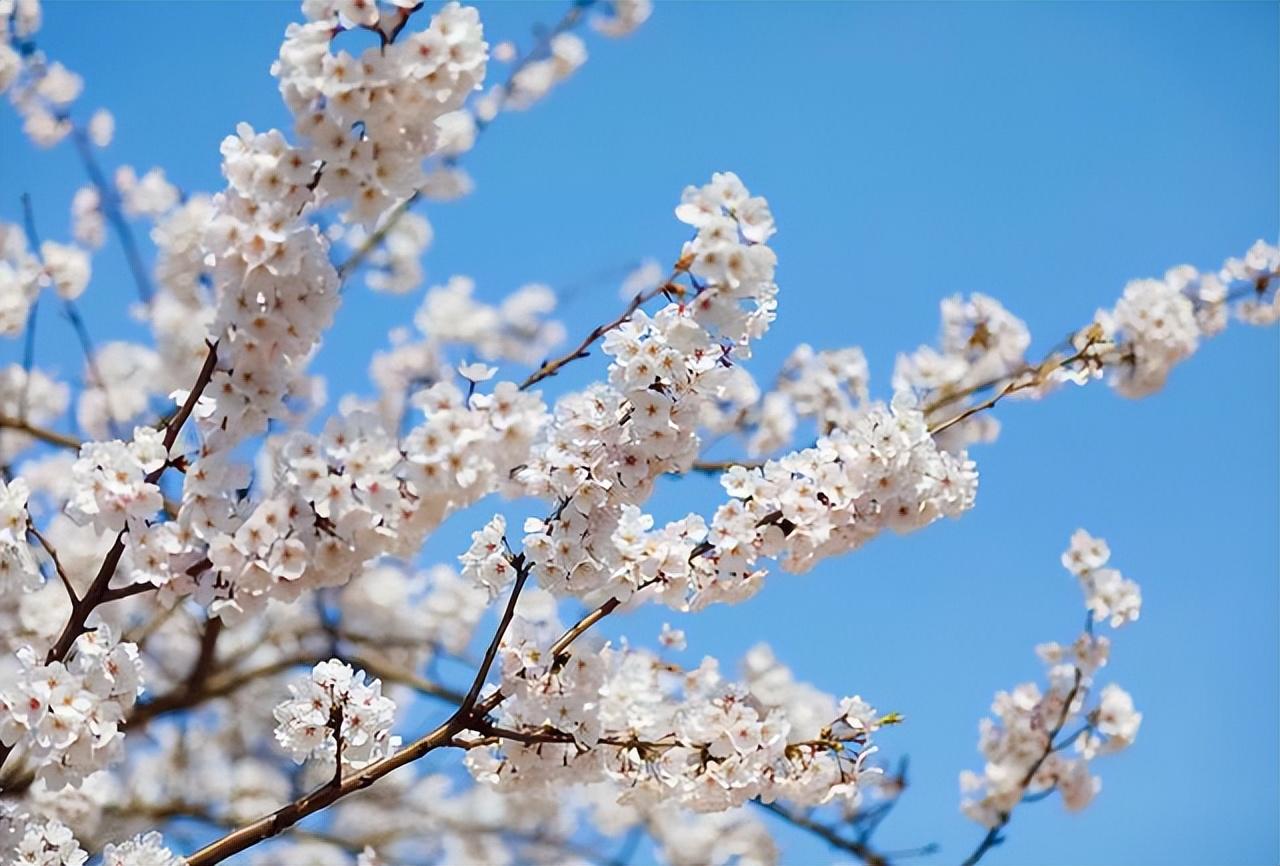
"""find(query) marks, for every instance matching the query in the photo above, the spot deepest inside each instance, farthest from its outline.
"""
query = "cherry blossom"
(335, 711)
(194, 510)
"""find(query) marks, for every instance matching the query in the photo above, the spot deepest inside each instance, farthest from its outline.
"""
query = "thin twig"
(553, 365)
(57, 563)
(828, 834)
(53, 437)
(109, 202)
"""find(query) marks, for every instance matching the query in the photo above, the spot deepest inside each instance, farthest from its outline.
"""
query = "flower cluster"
(42, 92)
(622, 17)
(827, 386)
(405, 616)
(335, 709)
(534, 79)
(1107, 594)
(27, 840)
(181, 315)
(371, 120)
(19, 279)
(1255, 273)
(111, 480)
(145, 849)
(730, 259)
(23, 273)
(488, 561)
(662, 734)
(1158, 323)
(336, 510)
(276, 289)
(514, 331)
(118, 389)
(608, 444)
(33, 395)
(150, 195)
(342, 499)
(883, 472)
(67, 717)
(980, 342)
(1024, 745)
(394, 267)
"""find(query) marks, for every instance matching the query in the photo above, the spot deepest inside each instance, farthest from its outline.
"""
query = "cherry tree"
(219, 640)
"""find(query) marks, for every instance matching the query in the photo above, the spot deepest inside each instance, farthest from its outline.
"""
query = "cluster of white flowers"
(19, 279)
(980, 342)
(67, 716)
(276, 289)
(342, 499)
(181, 315)
(88, 224)
(665, 735)
(630, 737)
(1257, 269)
(41, 91)
(488, 561)
(118, 390)
(535, 78)
(828, 386)
(1025, 745)
(515, 331)
(150, 195)
(395, 266)
(28, 840)
(34, 839)
(405, 616)
(608, 444)
(1107, 593)
(622, 17)
(66, 269)
(335, 707)
(146, 849)
(883, 472)
(371, 119)
(63, 267)
(19, 571)
(111, 482)
(1158, 323)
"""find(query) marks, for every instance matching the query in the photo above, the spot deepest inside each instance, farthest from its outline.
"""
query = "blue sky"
(1044, 154)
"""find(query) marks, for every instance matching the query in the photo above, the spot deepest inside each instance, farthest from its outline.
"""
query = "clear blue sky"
(1044, 154)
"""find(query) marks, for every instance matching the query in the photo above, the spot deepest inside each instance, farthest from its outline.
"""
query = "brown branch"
(407, 678)
(553, 366)
(468, 702)
(215, 686)
(1038, 376)
(57, 563)
(442, 736)
(717, 466)
(52, 437)
(827, 834)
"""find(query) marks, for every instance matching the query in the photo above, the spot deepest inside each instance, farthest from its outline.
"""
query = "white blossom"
(336, 705)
